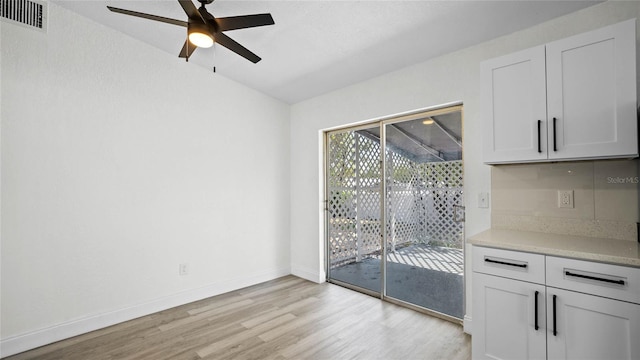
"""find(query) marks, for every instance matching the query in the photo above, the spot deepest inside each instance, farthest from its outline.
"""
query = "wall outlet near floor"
(183, 269)
(565, 199)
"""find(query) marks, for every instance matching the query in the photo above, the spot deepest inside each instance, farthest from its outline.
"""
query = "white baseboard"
(308, 274)
(31, 340)
(467, 325)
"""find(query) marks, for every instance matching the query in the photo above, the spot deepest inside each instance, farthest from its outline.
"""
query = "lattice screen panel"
(403, 205)
(420, 199)
(444, 189)
(354, 197)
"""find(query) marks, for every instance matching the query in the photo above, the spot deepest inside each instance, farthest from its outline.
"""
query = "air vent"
(26, 12)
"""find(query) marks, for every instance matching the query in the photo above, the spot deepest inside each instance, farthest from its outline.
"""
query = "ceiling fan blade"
(232, 45)
(191, 10)
(191, 47)
(148, 16)
(245, 21)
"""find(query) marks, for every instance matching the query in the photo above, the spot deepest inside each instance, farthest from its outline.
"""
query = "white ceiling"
(319, 46)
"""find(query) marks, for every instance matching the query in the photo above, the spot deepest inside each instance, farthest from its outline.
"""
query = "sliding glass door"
(396, 236)
(423, 189)
(354, 208)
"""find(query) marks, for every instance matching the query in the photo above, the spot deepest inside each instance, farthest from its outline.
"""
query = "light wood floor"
(287, 318)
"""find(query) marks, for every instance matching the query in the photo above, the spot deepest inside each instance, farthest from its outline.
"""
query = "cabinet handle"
(555, 331)
(535, 311)
(524, 265)
(539, 148)
(555, 147)
(619, 282)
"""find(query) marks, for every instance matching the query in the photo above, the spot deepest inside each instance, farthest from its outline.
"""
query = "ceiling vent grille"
(26, 12)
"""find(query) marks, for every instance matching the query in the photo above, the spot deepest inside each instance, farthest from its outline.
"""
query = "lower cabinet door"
(581, 326)
(504, 319)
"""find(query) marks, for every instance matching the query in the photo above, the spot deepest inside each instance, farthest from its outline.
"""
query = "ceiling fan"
(203, 29)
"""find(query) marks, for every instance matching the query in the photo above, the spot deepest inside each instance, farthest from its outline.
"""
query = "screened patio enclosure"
(417, 200)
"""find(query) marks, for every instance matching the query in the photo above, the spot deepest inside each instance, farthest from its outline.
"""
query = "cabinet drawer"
(510, 264)
(612, 281)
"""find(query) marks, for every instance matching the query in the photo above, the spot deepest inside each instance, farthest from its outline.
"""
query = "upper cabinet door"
(514, 106)
(591, 94)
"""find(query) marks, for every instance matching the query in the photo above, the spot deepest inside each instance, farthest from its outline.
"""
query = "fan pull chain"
(214, 57)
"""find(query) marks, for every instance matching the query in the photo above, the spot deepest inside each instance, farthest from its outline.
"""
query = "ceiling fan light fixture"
(201, 40)
(203, 29)
(199, 36)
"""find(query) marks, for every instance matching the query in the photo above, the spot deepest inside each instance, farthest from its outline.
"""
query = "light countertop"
(621, 252)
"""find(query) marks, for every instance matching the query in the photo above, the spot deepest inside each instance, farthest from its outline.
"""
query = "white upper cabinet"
(515, 107)
(591, 92)
(571, 99)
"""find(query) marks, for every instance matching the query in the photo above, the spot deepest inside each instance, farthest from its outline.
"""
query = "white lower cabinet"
(591, 327)
(517, 315)
(506, 310)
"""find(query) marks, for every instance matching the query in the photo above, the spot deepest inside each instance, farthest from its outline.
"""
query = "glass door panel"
(354, 208)
(424, 243)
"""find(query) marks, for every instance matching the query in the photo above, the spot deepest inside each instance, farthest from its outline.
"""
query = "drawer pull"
(555, 330)
(535, 311)
(539, 148)
(523, 265)
(555, 147)
(618, 282)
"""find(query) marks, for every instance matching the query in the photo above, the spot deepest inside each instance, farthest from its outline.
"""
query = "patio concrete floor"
(427, 276)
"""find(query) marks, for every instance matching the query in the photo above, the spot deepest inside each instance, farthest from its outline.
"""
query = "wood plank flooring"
(287, 318)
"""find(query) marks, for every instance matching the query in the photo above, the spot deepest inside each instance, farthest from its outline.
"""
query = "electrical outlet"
(183, 269)
(565, 199)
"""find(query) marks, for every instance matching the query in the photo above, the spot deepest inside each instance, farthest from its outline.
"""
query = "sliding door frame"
(327, 248)
(382, 122)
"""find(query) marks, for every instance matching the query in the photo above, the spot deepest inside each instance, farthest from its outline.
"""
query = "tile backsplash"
(605, 203)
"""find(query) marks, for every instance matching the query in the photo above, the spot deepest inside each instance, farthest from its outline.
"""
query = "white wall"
(119, 162)
(453, 77)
